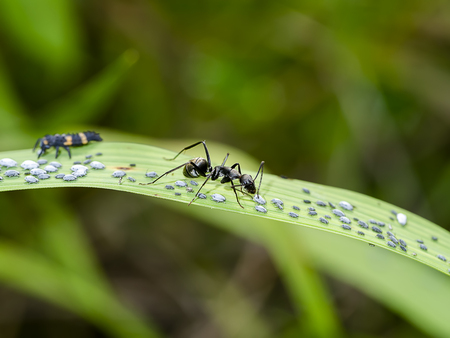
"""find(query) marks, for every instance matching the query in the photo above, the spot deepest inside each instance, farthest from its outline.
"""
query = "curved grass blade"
(305, 195)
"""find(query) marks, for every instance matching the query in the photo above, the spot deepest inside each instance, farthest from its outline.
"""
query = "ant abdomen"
(191, 169)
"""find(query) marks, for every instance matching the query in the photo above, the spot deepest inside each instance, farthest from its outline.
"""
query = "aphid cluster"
(65, 141)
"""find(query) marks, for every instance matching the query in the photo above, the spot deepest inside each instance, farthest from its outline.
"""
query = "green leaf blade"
(118, 156)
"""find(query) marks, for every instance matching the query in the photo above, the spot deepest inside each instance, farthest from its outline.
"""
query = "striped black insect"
(65, 141)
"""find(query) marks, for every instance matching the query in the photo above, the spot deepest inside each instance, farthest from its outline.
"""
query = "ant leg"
(68, 150)
(57, 151)
(238, 166)
(207, 178)
(192, 146)
(237, 199)
(260, 180)
(225, 159)
(167, 172)
(36, 144)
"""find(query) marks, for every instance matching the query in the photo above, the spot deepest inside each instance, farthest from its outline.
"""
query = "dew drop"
(402, 219)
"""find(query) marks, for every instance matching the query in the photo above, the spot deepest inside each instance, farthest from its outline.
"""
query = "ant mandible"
(199, 166)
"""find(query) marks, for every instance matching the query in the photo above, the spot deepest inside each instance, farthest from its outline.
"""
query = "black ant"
(202, 167)
(229, 174)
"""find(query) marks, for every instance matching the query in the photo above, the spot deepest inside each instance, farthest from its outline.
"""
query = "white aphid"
(401, 218)
(44, 176)
(259, 199)
(56, 164)
(37, 171)
(50, 168)
(11, 173)
(31, 179)
(218, 198)
(346, 205)
(7, 162)
(28, 164)
(119, 173)
(69, 178)
(97, 165)
(79, 167)
(79, 173)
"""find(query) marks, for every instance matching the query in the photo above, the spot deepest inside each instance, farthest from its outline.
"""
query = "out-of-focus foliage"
(348, 94)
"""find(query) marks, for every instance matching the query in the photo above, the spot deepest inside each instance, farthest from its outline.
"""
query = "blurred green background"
(343, 93)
